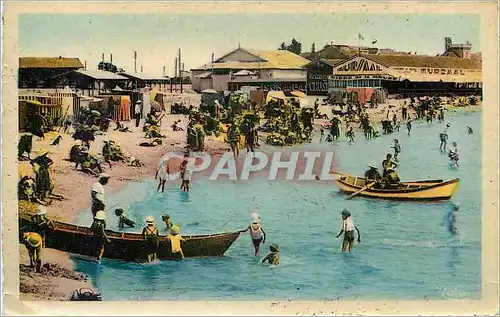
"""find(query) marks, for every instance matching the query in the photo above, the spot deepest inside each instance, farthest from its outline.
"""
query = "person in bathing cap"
(97, 194)
(175, 239)
(257, 233)
(372, 175)
(274, 256)
(348, 231)
(42, 224)
(151, 237)
(123, 219)
(100, 238)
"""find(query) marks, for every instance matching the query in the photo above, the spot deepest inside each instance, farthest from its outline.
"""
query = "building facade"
(40, 72)
(408, 75)
(267, 70)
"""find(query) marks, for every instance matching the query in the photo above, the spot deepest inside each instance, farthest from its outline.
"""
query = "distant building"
(408, 75)
(457, 50)
(266, 70)
(39, 72)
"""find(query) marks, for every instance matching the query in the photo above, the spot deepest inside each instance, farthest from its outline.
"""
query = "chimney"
(111, 58)
(142, 68)
(85, 65)
(103, 57)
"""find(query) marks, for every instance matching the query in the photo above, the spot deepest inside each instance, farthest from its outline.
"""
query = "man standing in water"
(444, 138)
(97, 194)
(408, 126)
(162, 175)
(348, 231)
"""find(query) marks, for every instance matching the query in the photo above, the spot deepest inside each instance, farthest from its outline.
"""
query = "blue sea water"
(406, 252)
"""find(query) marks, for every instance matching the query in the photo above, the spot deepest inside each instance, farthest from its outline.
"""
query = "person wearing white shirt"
(348, 230)
(453, 155)
(186, 175)
(137, 113)
(97, 194)
(162, 175)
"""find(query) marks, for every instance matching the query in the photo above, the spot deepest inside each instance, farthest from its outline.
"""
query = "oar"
(361, 190)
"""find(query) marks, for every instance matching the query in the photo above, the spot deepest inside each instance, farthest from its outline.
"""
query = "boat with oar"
(130, 246)
(419, 190)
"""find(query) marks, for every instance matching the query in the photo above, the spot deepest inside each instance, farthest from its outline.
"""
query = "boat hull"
(131, 246)
(434, 190)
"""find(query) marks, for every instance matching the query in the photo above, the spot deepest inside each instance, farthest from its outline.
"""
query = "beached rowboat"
(436, 189)
(130, 246)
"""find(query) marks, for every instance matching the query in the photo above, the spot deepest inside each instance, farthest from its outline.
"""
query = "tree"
(107, 67)
(294, 47)
(313, 48)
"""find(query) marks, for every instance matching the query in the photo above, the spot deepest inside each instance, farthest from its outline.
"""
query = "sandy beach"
(75, 187)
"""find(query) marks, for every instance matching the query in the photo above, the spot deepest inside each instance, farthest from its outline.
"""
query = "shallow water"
(405, 252)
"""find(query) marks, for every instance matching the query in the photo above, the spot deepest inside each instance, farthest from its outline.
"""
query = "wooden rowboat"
(423, 190)
(130, 246)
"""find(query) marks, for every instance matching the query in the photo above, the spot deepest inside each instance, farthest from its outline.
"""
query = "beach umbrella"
(96, 113)
(209, 91)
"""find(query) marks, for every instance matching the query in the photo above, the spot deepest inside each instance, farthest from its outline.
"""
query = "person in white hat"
(100, 238)
(43, 225)
(150, 235)
(97, 194)
(257, 233)
(372, 175)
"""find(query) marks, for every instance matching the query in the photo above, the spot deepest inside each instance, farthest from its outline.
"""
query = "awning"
(33, 102)
(244, 72)
(276, 95)
(209, 91)
(298, 94)
(204, 75)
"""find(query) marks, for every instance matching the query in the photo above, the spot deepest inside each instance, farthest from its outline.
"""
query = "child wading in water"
(348, 230)
(257, 233)
(167, 220)
(397, 149)
(274, 256)
(175, 240)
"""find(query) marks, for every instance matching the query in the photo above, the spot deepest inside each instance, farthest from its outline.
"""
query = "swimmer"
(274, 256)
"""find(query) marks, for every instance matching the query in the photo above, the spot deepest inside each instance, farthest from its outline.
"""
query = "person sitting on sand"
(175, 240)
(33, 242)
(273, 257)
(26, 189)
(257, 233)
(42, 224)
(348, 231)
(151, 237)
(329, 138)
(123, 220)
(167, 220)
(99, 234)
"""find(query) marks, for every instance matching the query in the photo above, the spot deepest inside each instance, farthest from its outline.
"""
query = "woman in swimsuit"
(257, 233)
(348, 230)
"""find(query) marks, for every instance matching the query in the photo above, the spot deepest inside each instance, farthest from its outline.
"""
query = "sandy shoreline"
(75, 186)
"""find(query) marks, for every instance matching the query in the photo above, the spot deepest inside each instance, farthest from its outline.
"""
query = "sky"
(157, 38)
